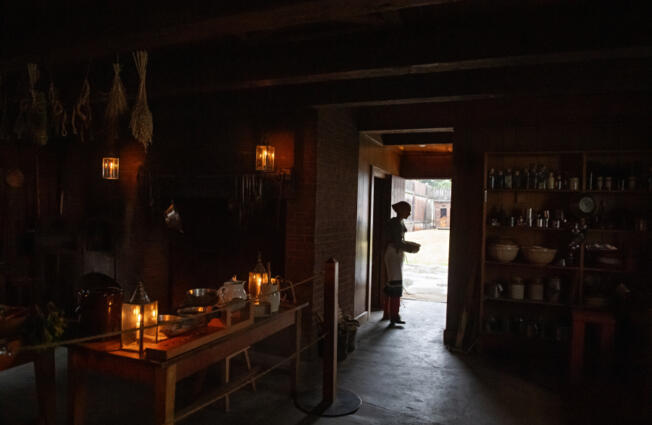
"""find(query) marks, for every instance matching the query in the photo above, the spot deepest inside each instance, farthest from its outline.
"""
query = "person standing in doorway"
(395, 251)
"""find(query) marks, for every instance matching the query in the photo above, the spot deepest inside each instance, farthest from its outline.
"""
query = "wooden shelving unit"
(584, 165)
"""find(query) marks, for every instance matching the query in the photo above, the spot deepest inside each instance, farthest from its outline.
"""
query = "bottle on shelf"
(491, 179)
(527, 178)
(551, 181)
(529, 217)
(508, 179)
(542, 179)
(599, 183)
(517, 180)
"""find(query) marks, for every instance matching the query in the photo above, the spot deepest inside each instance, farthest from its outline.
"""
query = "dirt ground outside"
(425, 274)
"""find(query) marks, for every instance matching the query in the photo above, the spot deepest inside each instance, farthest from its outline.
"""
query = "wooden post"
(45, 386)
(76, 387)
(329, 389)
(165, 380)
(297, 353)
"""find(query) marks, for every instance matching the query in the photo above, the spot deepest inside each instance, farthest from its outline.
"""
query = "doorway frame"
(374, 172)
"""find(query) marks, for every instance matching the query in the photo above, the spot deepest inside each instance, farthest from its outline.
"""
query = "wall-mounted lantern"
(111, 167)
(265, 158)
(137, 314)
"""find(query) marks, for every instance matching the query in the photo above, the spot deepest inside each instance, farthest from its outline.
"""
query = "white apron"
(394, 263)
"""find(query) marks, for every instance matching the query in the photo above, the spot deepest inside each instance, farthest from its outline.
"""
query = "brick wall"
(300, 215)
(336, 201)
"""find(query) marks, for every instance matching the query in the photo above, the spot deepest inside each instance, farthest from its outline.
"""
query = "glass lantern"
(258, 278)
(111, 168)
(140, 317)
(265, 158)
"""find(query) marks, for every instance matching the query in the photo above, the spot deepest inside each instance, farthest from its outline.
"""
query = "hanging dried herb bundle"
(116, 106)
(58, 114)
(37, 117)
(142, 126)
(32, 121)
(82, 114)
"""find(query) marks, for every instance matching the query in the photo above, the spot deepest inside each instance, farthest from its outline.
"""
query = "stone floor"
(403, 375)
(425, 274)
(425, 283)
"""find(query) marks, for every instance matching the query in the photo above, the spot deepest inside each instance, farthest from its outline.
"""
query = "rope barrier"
(251, 379)
(276, 365)
(194, 317)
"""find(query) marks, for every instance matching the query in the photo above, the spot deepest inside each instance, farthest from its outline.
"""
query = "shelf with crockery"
(564, 204)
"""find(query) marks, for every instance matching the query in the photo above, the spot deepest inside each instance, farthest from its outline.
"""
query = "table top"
(112, 347)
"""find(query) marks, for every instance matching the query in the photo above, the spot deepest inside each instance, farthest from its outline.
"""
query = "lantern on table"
(139, 316)
(258, 278)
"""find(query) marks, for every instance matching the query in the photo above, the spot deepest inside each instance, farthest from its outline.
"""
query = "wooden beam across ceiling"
(67, 45)
(600, 77)
(411, 139)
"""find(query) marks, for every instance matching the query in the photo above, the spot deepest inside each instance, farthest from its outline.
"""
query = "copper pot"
(99, 310)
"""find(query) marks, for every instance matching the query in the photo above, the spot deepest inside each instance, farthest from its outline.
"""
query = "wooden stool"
(607, 324)
(227, 373)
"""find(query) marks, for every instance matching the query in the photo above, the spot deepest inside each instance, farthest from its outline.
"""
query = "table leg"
(46, 387)
(577, 350)
(165, 382)
(76, 388)
(226, 377)
(297, 353)
(607, 344)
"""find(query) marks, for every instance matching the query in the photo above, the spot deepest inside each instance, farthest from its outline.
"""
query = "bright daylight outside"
(425, 274)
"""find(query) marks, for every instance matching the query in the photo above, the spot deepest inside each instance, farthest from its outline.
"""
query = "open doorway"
(425, 274)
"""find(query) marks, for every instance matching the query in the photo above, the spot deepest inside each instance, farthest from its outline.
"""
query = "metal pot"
(99, 310)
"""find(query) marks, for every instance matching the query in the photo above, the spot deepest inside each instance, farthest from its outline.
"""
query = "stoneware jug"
(273, 297)
(231, 290)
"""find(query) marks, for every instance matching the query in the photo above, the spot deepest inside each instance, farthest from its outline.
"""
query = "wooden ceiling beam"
(193, 29)
(414, 50)
(417, 139)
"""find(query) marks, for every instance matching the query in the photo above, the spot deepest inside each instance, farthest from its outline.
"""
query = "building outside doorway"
(425, 274)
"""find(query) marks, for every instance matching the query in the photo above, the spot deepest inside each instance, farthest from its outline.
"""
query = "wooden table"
(607, 323)
(162, 376)
(45, 381)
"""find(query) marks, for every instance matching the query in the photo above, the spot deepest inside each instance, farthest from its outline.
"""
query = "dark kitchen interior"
(193, 200)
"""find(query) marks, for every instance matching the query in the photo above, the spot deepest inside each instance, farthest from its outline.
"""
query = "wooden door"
(381, 208)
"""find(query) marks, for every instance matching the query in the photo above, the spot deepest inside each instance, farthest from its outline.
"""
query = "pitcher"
(230, 291)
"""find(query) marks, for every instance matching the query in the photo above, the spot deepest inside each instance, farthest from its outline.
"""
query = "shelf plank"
(564, 230)
(619, 192)
(623, 231)
(534, 266)
(526, 301)
(607, 270)
(550, 192)
(527, 228)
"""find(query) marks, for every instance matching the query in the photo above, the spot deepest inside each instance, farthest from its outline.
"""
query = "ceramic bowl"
(504, 252)
(538, 254)
(171, 325)
(201, 297)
